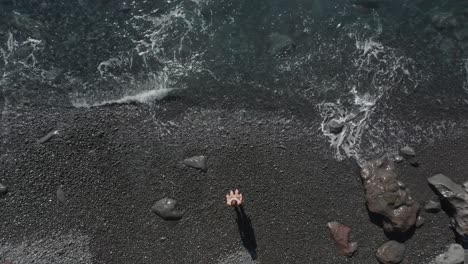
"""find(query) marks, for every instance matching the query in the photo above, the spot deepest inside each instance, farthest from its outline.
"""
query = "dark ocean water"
(350, 59)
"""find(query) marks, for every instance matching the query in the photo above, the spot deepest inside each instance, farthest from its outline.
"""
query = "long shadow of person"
(246, 231)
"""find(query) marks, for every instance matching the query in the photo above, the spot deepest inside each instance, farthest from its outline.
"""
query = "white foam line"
(142, 97)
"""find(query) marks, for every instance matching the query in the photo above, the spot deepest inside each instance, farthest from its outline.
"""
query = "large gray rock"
(165, 208)
(454, 255)
(457, 197)
(197, 162)
(388, 197)
(391, 252)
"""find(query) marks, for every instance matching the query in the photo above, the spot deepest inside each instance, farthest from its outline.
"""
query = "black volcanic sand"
(115, 162)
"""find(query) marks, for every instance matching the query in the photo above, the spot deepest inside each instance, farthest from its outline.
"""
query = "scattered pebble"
(391, 252)
(165, 208)
(420, 221)
(61, 194)
(336, 126)
(454, 255)
(432, 207)
(48, 137)
(3, 189)
(407, 152)
(399, 159)
(340, 234)
(198, 162)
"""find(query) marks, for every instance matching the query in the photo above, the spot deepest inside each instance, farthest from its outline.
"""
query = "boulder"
(340, 235)
(454, 255)
(457, 197)
(391, 252)
(388, 197)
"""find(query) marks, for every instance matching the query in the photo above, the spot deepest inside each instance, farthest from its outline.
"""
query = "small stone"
(454, 255)
(198, 162)
(432, 207)
(399, 159)
(407, 152)
(340, 235)
(48, 137)
(335, 126)
(165, 208)
(391, 252)
(420, 221)
(3, 189)
(61, 194)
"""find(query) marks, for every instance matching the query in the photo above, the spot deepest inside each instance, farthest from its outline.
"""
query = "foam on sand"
(142, 97)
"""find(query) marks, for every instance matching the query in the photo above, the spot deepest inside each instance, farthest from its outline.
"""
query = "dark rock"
(281, 44)
(420, 222)
(3, 189)
(454, 255)
(461, 34)
(369, 4)
(388, 197)
(457, 196)
(391, 252)
(340, 235)
(407, 152)
(48, 137)
(336, 126)
(165, 208)
(198, 162)
(432, 207)
(444, 20)
(61, 194)
(413, 162)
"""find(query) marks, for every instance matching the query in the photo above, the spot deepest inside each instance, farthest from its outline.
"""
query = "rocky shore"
(86, 194)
